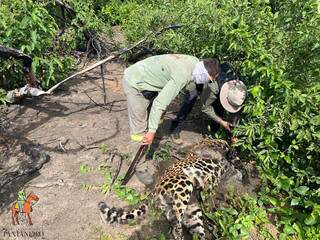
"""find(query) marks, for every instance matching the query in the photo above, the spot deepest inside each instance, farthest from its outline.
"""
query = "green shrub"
(241, 218)
(30, 28)
(115, 12)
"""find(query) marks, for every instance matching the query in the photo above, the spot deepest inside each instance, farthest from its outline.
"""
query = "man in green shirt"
(151, 85)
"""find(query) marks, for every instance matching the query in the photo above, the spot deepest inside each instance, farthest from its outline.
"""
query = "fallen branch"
(102, 106)
(29, 90)
(108, 59)
(132, 168)
(86, 147)
(58, 182)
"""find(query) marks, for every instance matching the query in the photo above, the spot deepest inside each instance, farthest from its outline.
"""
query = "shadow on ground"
(19, 163)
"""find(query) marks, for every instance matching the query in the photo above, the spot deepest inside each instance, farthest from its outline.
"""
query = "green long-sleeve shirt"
(166, 74)
(209, 94)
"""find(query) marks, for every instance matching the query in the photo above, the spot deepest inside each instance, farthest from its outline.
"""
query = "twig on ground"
(86, 148)
(111, 105)
(115, 176)
(58, 182)
(112, 154)
(61, 147)
(98, 104)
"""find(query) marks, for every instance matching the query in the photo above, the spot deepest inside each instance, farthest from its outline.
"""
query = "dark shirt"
(208, 96)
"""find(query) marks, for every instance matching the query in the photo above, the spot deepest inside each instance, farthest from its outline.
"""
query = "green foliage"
(115, 12)
(30, 28)
(163, 153)
(88, 17)
(102, 235)
(160, 237)
(240, 218)
(104, 148)
(37, 28)
(2, 96)
(87, 186)
(124, 192)
(85, 168)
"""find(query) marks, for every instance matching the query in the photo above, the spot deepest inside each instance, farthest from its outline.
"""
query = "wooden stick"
(132, 168)
(103, 85)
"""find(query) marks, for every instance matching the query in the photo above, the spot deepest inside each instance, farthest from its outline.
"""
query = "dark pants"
(187, 105)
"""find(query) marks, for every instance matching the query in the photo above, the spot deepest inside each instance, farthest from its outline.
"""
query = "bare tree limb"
(102, 106)
(29, 75)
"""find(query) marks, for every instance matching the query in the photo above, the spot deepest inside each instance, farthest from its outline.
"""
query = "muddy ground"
(70, 128)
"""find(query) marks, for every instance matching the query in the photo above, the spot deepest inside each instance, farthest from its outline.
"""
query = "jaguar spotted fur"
(177, 192)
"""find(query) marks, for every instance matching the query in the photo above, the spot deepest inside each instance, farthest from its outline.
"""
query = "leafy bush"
(38, 29)
(30, 28)
(115, 12)
(241, 218)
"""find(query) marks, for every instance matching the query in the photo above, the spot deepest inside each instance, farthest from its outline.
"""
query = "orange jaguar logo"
(23, 205)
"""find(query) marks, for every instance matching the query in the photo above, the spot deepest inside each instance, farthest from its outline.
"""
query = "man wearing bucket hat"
(150, 85)
(225, 94)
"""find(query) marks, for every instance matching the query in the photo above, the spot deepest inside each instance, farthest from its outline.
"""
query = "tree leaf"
(294, 202)
(302, 190)
(311, 220)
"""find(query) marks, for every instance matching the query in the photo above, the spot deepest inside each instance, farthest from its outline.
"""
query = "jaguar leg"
(177, 231)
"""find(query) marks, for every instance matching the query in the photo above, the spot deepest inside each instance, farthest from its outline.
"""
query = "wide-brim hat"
(232, 95)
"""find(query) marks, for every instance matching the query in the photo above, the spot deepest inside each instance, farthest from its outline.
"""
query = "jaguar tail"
(118, 215)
